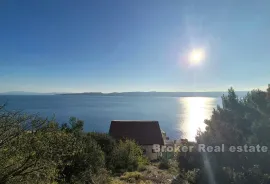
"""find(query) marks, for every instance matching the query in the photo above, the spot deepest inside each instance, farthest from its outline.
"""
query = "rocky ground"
(151, 175)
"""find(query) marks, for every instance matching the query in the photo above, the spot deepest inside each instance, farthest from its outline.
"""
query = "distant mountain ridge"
(24, 93)
(157, 94)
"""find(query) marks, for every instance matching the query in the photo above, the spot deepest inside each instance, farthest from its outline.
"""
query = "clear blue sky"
(133, 45)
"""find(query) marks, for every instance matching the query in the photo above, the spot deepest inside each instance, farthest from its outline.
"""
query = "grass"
(149, 174)
(131, 176)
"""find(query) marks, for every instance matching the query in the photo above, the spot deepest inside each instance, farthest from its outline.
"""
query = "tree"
(37, 150)
(106, 143)
(238, 122)
(84, 158)
(126, 156)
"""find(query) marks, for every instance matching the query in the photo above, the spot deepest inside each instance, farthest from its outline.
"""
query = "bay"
(179, 117)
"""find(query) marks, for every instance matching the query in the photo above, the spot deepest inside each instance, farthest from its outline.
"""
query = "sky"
(133, 45)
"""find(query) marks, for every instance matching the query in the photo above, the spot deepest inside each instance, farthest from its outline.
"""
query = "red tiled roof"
(143, 132)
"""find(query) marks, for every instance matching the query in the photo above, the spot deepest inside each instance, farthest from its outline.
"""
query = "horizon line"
(122, 92)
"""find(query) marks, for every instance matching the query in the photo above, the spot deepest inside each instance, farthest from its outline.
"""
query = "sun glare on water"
(195, 111)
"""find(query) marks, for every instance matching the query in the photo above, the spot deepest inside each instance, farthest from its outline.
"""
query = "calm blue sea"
(178, 117)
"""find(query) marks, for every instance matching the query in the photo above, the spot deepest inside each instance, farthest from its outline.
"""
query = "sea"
(179, 117)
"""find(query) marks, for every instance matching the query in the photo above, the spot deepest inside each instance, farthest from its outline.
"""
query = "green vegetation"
(127, 156)
(42, 151)
(37, 150)
(131, 176)
(239, 122)
(164, 164)
(106, 143)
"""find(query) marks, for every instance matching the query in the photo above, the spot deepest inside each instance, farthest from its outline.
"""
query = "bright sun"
(196, 56)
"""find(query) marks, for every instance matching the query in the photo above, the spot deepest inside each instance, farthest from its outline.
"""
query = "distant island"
(147, 94)
(25, 93)
(158, 94)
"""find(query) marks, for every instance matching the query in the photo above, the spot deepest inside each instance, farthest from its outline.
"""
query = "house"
(145, 133)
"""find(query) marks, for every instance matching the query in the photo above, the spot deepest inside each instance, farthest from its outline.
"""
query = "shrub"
(106, 143)
(36, 150)
(86, 159)
(131, 176)
(24, 150)
(102, 177)
(139, 178)
(173, 169)
(145, 182)
(126, 156)
(189, 177)
(143, 161)
(142, 168)
(116, 181)
(164, 164)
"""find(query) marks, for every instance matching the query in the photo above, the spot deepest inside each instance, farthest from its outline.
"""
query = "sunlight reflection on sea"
(195, 111)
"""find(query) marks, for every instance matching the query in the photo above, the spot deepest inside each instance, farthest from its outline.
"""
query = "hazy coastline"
(148, 94)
